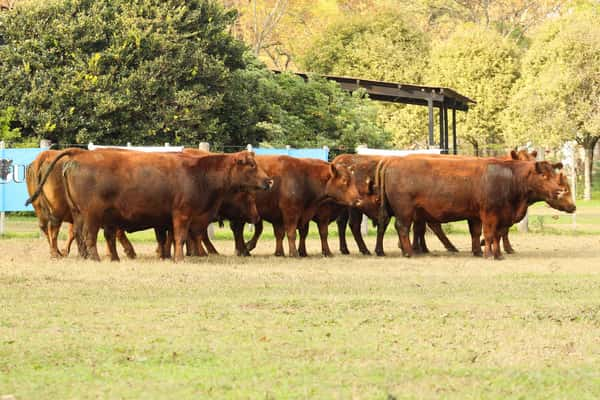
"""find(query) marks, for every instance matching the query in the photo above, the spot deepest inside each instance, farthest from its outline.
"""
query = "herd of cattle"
(180, 194)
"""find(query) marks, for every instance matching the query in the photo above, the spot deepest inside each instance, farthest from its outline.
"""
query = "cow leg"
(90, 233)
(126, 244)
(355, 224)
(237, 227)
(475, 230)
(291, 224)
(164, 244)
(110, 234)
(403, 228)
(342, 223)
(506, 243)
(206, 241)
(381, 227)
(197, 240)
(419, 245)
(52, 234)
(79, 232)
(303, 230)
(192, 246)
(490, 227)
(323, 233)
(67, 249)
(181, 227)
(258, 229)
(441, 235)
(279, 232)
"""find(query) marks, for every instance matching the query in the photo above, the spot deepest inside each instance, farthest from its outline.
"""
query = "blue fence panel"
(13, 188)
(321, 154)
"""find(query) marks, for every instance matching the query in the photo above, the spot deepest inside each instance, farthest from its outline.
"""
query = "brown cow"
(419, 243)
(136, 191)
(51, 207)
(238, 208)
(363, 168)
(492, 191)
(300, 186)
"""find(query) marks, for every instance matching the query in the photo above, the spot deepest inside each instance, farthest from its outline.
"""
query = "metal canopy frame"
(443, 98)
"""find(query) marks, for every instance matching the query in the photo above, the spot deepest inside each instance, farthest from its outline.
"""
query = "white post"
(205, 146)
(364, 225)
(128, 144)
(45, 144)
(2, 215)
(249, 148)
(167, 144)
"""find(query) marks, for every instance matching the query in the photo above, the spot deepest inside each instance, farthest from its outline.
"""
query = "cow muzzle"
(357, 203)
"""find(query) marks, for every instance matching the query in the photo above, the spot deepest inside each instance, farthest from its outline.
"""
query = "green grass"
(438, 326)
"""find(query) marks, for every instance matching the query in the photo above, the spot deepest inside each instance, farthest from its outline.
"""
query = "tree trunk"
(587, 169)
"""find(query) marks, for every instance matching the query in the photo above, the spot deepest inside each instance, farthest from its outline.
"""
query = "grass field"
(437, 326)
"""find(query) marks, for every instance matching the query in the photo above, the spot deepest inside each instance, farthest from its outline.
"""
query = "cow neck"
(212, 166)
(319, 188)
(533, 194)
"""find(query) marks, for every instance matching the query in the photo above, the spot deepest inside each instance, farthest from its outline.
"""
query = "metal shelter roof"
(432, 97)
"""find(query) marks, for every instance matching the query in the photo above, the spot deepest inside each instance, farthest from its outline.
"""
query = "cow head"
(341, 186)
(523, 155)
(552, 186)
(247, 174)
(363, 173)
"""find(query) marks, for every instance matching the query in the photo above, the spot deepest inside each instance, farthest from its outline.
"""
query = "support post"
(441, 118)
(446, 136)
(430, 107)
(454, 149)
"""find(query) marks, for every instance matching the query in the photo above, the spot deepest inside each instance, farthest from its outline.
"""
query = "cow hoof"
(452, 250)
(380, 254)
(344, 251)
(302, 253)
(251, 245)
(131, 256)
(509, 251)
(477, 254)
(327, 254)
(279, 254)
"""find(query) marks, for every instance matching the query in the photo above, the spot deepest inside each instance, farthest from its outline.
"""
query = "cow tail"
(36, 194)
(380, 185)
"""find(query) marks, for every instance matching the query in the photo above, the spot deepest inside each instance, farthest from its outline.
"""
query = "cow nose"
(268, 184)
(357, 203)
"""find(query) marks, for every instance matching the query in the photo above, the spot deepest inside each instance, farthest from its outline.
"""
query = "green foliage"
(483, 65)
(7, 133)
(116, 71)
(383, 46)
(318, 113)
(558, 96)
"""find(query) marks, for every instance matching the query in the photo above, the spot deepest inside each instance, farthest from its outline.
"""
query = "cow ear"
(538, 167)
(557, 165)
(534, 153)
(514, 155)
(240, 159)
(333, 169)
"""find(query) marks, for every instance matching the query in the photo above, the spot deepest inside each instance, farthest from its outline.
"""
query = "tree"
(484, 66)
(318, 113)
(558, 97)
(7, 132)
(380, 47)
(112, 71)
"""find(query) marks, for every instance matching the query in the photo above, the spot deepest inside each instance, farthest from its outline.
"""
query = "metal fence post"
(204, 146)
